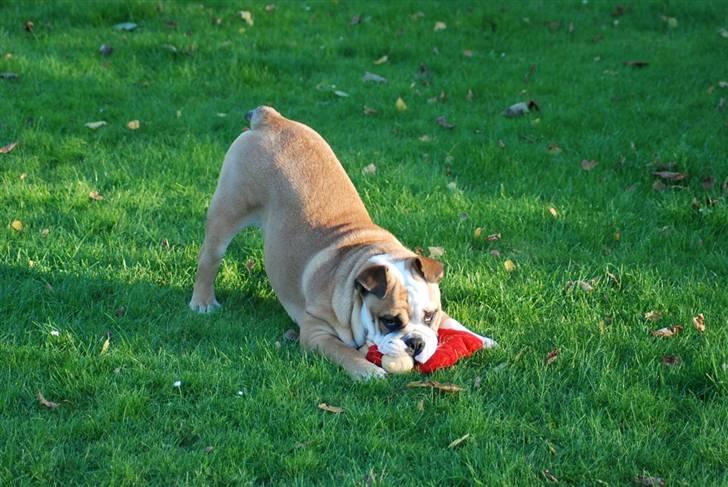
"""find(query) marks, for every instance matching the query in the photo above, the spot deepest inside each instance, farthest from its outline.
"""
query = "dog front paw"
(204, 306)
(365, 371)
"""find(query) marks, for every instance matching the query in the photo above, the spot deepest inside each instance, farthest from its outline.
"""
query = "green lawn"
(75, 270)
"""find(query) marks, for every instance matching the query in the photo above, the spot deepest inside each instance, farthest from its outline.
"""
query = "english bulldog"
(344, 280)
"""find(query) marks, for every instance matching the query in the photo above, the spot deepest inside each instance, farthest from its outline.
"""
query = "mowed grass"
(606, 411)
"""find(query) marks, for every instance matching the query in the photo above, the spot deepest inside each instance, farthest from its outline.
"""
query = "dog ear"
(432, 270)
(373, 279)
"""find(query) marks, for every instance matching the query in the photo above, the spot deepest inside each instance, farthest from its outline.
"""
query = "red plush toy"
(452, 346)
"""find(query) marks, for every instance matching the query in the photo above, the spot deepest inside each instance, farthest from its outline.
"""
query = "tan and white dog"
(343, 280)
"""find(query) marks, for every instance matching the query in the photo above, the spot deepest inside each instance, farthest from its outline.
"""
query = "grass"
(606, 411)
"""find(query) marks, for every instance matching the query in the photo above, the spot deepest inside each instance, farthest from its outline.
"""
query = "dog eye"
(391, 323)
(429, 316)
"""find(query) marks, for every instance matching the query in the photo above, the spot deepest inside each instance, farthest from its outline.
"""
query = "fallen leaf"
(439, 26)
(421, 405)
(125, 26)
(468, 53)
(658, 185)
(509, 265)
(94, 195)
(436, 252)
(369, 169)
(554, 212)
(442, 122)
(551, 356)
(551, 447)
(95, 125)
(17, 225)
(28, 26)
(247, 17)
(120, 311)
(670, 175)
(493, 237)
(382, 60)
(8, 75)
(355, 20)
(400, 105)
(373, 77)
(469, 96)
(516, 110)
(477, 232)
(331, 409)
(6, 149)
(270, 7)
(105, 346)
(45, 232)
(667, 331)
(133, 124)
(671, 360)
(45, 402)
(650, 481)
(495, 253)
(476, 382)
(106, 50)
(699, 322)
(723, 84)
(636, 63)
(459, 441)
(723, 32)
(721, 104)
(588, 165)
(369, 111)
(554, 149)
(671, 21)
(209, 449)
(417, 15)
(340, 93)
(452, 186)
(425, 138)
(440, 386)
(585, 286)
(250, 265)
(550, 477)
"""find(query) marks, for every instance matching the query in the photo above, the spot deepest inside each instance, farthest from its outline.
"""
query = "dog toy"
(452, 346)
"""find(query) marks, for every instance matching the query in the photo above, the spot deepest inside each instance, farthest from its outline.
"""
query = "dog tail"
(261, 116)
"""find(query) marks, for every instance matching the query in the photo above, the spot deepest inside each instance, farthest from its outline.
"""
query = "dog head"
(401, 308)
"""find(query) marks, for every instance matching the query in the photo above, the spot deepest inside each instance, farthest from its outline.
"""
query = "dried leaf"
(270, 7)
(468, 53)
(459, 441)
(6, 149)
(436, 252)
(554, 212)
(650, 481)
(250, 265)
(668, 331)
(247, 17)
(440, 386)
(588, 165)
(670, 175)
(442, 122)
(95, 125)
(209, 449)
(105, 346)
(373, 77)
(369, 111)
(382, 60)
(331, 409)
(699, 322)
(516, 110)
(493, 237)
(550, 477)
(125, 26)
(509, 265)
(671, 360)
(133, 124)
(551, 356)
(94, 195)
(495, 253)
(477, 232)
(369, 169)
(425, 138)
(469, 96)
(17, 225)
(45, 402)
(400, 105)
(554, 149)
(340, 93)
(658, 185)
(439, 26)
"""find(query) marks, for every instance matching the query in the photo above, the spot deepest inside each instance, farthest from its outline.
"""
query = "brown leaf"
(369, 111)
(45, 402)
(331, 409)
(554, 149)
(671, 175)
(588, 165)
(554, 212)
(493, 237)
(551, 356)
(436, 252)
(105, 346)
(668, 331)
(28, 26)
(459, 441)
(133, 124)
(442, 122)
(699, 322)
(550, 477)
(440, 386)
(6, 149)
(671, 360)
(637, 63)
(94, 195)
(164, 244)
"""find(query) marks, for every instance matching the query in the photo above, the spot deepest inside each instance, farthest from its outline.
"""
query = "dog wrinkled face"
(401, 304)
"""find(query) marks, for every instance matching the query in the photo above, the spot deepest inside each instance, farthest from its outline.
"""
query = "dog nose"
(414, 344)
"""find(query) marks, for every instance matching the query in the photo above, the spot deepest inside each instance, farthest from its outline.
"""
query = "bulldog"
(344, 280)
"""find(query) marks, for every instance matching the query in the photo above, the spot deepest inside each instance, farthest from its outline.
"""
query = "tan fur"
(282, 176)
